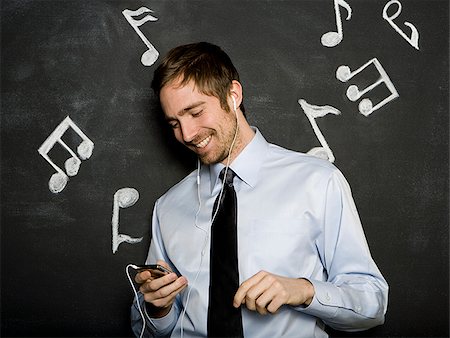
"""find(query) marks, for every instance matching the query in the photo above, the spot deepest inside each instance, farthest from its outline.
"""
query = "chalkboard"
(76, 75)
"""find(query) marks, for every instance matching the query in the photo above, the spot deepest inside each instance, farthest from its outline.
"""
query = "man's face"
(199, 122)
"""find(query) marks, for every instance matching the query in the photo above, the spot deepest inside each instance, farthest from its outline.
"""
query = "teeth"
(204, 143)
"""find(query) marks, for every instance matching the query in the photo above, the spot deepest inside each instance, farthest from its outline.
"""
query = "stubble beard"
(223, 148)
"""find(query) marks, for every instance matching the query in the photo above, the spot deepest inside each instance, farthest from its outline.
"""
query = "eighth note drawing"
(414, 39)
(123, 198)
(312, 112)
(332, 39)
(59, 179)
(151, 55)
(366, 107)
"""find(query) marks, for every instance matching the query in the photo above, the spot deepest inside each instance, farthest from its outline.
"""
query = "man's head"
(207, 65)
(201, 97)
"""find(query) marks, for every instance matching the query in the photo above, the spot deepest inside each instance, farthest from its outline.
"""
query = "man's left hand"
(266, 292)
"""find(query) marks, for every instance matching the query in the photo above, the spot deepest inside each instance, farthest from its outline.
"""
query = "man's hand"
(160, 292)
(266, 292)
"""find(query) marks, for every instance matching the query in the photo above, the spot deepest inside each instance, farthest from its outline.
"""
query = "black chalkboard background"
(81, 59)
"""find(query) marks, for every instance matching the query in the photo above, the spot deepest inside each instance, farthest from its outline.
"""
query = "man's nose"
(189, 131)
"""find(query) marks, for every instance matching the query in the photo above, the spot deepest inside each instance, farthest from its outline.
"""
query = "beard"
(224, 138)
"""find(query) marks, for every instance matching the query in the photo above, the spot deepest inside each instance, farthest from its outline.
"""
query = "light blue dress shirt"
(296, 218)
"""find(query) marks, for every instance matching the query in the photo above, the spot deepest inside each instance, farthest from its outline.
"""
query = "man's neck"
(245, 136)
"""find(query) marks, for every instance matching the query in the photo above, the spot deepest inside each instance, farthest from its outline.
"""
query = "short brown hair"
(206, 64)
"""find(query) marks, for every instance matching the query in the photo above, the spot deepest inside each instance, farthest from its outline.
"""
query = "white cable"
(198, 197)
(212, 220)
(136, 296)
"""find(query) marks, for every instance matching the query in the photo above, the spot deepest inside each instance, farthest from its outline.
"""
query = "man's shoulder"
(182, 189)
(288, 157)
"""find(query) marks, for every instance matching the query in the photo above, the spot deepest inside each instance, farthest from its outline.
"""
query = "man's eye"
(173, 125)
(197, 113)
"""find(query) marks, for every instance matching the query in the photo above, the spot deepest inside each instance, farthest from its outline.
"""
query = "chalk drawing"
(151, 55)
(414, 39)
(366, 107)
(332, 39)
(123, 198)
(313, 112)
(59, 179)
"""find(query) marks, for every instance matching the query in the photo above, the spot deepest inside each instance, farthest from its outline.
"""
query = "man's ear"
(235, 93)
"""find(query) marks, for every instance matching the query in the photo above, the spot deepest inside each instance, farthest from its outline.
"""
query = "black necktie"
(223, 319)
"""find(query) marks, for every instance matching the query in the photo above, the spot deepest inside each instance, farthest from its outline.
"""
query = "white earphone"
(234, 103)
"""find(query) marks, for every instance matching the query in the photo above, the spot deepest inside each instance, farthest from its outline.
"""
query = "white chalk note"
(413, 40)
(123, 198)
(366, 106)
(332, 39)
(151, 55)
(313, 112)
(59, 179)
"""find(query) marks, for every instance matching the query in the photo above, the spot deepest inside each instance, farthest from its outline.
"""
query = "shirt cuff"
(325, 303)
(163, 322)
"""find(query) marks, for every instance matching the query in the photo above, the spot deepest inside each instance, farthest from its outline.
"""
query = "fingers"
(160, 290)
(264, 293)
(142, 277)
(162, 293)
(267, 302)
(258, 293)
(146, 275)
(241, 293)
(152, 284)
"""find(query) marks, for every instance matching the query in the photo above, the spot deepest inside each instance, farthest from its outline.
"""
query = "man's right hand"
(160, 292)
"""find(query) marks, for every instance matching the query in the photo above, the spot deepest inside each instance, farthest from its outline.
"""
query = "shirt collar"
(247, 164)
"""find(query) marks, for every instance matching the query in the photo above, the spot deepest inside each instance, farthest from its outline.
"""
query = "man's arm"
(354, 296)
(157, 295)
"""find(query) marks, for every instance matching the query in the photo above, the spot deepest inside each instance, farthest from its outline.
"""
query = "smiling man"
(201, 123)
(262, 241)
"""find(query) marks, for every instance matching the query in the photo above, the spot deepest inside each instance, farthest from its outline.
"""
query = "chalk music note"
(414, 39)
(123, 198)
(332, 39)
(366, 107)
(59, 180)
(313, 112)
(151, 55)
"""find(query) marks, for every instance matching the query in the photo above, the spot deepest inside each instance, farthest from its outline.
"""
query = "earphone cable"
(136, 297)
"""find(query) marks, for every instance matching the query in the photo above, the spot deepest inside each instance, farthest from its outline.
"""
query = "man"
(302, 258)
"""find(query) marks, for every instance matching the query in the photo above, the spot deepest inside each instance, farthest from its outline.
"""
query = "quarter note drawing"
(151, 55)
(313, 112)
(332, 39)
(413, 40)
(366, 106)
(123, 198)
(59, 179)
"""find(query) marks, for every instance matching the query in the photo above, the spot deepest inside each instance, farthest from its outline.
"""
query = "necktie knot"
(230, 174)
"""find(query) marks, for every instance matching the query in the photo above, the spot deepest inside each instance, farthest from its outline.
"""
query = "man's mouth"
(203, 143)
